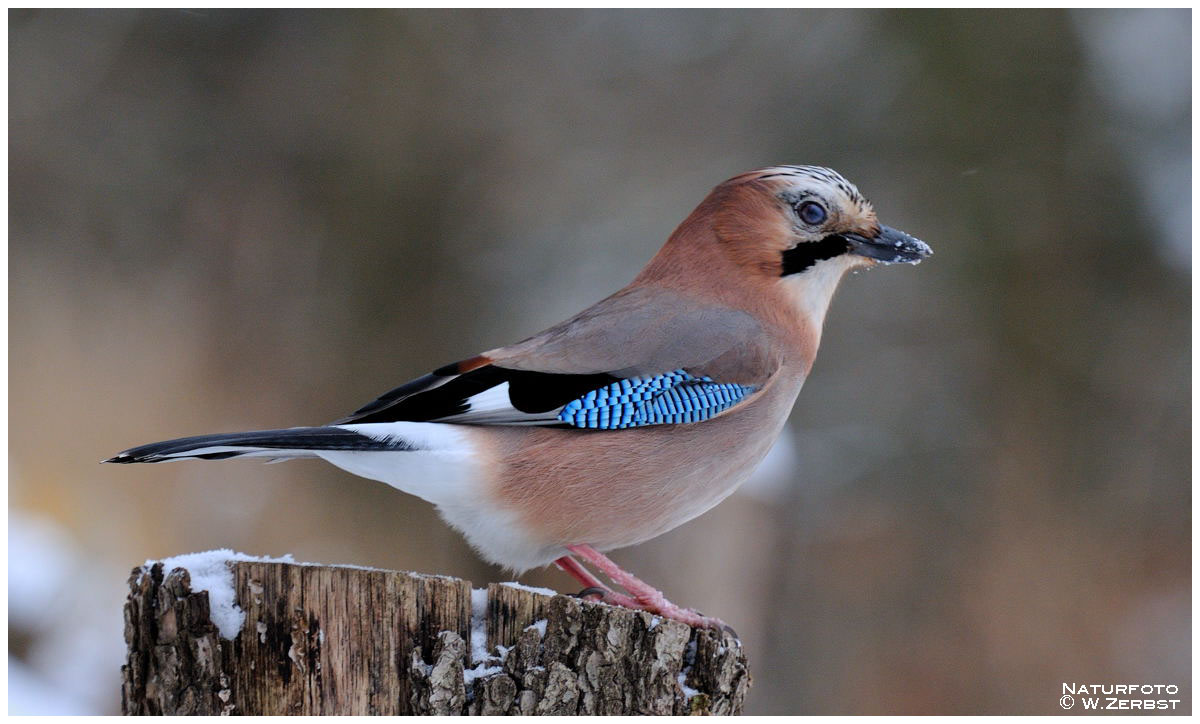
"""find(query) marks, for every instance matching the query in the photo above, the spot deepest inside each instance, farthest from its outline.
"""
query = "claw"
(592, 591)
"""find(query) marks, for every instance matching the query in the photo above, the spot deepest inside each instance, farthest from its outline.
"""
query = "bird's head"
(794, 220)
(794, 230)
(790, 230)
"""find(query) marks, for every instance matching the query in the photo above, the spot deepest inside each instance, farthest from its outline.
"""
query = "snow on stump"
(221, 633)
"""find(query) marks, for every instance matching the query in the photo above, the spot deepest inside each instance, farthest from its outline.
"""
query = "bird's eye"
(812, 213)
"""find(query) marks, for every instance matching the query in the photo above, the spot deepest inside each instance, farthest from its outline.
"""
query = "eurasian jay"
(630, 418)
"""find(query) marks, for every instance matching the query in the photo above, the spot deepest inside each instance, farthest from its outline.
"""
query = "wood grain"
(342, 640)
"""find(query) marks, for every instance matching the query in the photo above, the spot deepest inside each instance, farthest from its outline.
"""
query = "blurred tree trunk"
(336, 640)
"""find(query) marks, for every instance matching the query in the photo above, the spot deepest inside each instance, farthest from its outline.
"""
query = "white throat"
(811, 290)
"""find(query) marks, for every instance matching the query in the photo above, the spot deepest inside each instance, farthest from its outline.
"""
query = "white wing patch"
(494, 406)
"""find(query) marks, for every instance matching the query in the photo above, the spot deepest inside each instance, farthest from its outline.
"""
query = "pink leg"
(584, 576)
(579, 573)
(645, 596)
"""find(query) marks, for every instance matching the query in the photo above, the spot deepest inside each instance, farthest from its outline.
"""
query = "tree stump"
(271, 637)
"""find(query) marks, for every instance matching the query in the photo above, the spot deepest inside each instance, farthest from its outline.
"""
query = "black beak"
(890, 246)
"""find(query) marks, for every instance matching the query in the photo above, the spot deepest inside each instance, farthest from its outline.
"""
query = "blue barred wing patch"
(673, 397)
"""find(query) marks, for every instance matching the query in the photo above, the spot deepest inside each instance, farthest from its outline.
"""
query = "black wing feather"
(437, 397)
(391, 397)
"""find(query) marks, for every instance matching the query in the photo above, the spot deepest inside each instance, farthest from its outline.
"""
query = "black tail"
(292, 442)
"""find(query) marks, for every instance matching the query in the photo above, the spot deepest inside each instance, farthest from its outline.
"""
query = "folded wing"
(640, 357)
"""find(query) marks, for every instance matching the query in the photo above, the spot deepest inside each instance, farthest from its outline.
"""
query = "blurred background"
(224, 220)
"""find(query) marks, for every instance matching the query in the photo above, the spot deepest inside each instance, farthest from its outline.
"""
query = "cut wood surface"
(310, 639)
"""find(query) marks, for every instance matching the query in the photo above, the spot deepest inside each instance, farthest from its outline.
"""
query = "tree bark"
(341, 640)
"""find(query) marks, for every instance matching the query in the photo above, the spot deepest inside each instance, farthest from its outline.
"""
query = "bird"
(632, 417)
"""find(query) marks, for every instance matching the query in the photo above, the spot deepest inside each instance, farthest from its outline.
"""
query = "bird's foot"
(661, 606)
(655, 602)
(642, 596)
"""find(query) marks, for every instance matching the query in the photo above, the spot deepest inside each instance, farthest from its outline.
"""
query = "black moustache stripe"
(807, 253)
